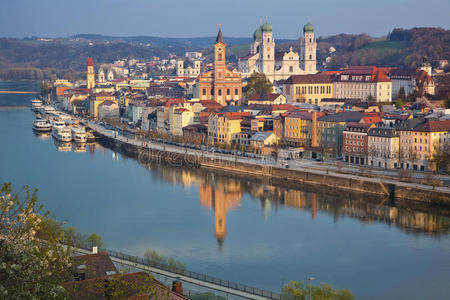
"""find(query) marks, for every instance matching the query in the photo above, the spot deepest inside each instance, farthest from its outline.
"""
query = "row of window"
(219, 92)
(301, 90)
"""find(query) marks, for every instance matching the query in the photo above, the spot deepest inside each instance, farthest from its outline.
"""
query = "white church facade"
(279, 66)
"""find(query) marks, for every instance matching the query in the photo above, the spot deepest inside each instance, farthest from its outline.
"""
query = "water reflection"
(62, 146)
(42, 135)
(222, 193)
(79, 147)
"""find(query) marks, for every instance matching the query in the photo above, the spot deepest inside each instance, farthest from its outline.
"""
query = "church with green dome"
(264, 58)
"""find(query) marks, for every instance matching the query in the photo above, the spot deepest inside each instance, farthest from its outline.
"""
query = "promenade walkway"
(301, 165)
(225, 286)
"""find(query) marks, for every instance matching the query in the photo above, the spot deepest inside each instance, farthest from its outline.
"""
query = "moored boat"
(60, 132)
(79, 135)
(42, 125)
(36, 104)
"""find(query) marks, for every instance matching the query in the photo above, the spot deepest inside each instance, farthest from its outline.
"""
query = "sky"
(199, 18)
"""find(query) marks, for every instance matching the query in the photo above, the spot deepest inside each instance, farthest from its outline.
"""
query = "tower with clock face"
(219, 56)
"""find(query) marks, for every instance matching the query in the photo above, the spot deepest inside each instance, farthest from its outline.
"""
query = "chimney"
(314, 130)
(177, 287)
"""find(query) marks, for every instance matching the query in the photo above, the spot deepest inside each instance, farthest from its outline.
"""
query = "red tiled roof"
(310, 79)
(434, 126)
(264, 97)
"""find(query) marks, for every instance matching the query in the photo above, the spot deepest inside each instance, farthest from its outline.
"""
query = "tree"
(256, 83)
(297, 290)
(45, 88)
(94, 240)
(401, 94)
(33, 262)
(399, 103)
(441, 159)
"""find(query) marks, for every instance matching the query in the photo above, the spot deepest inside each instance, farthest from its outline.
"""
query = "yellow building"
(299, 129)
(224, 128)
(96, 99)
(308, 88)
(419, 145)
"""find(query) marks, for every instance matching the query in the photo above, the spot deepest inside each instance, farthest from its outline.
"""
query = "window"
(310, 56)
(219, 57)
(204, 92)
(291, 69)
(219, 92)
(228, 92)
(236, 92)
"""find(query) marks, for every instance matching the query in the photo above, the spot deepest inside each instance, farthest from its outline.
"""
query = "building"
(308, 88)
(261, 142)
(96, 99)
(300, 128)
(190, 71)
(401, 79)
(262, 57)
(420, 144)
(108, 109)
(279, 66)
(383, 147)
(363, 82)
(90, 77)
(224, 127)
(330, 129)
(264, 98)
(354, 149)
(220, 84)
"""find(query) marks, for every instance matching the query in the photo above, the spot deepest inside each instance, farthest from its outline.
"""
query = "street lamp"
(310, 279)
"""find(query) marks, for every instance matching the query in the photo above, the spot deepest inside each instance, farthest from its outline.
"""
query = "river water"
(239, 229)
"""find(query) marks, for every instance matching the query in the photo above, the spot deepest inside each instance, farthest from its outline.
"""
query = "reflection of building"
(220, 196)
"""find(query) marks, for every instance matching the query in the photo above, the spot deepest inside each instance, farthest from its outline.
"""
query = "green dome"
(266, 27)
(308, 27)
(257, 34)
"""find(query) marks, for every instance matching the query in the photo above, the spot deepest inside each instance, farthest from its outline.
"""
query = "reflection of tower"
(220, 196)
(314, 206)
(91, 150)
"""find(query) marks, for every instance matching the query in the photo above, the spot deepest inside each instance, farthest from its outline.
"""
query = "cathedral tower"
(90, 78)
(309, 49)
(267, 51)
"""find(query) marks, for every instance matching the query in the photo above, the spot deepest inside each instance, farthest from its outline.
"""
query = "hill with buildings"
(44, 58)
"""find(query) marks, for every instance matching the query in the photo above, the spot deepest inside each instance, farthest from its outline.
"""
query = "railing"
(190, 274)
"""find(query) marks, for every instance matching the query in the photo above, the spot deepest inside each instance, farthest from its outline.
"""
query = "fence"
(190, 274)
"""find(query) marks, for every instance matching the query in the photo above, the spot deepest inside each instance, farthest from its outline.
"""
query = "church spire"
(219, 38)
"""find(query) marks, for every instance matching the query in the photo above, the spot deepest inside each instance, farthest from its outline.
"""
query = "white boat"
(42, 125)
(79, 135)
(36, 104)
(90, 136)
(60, 132)
(47, 109)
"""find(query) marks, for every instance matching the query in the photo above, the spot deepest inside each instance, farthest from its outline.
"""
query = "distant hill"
(66, 57)
(192, 44)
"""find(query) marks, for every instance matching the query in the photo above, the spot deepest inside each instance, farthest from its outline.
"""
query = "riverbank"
(151, 152)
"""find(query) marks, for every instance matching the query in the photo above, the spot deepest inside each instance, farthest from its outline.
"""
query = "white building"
(191, 71)
(278, 66)
(383, 147)
(363, 82)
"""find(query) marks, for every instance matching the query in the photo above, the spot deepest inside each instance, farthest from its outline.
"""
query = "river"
(239, 229)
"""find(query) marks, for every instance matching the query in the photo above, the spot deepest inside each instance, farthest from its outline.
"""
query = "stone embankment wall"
(331, 181)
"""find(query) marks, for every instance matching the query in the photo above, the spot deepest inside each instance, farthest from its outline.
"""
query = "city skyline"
(199, 19)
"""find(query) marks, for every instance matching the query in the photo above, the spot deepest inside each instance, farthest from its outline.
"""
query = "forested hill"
(402, 48)
(37, 59)
(190, 44)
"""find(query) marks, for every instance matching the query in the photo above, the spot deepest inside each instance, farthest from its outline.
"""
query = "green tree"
(401, 94)
(297, 290)
(399, 103)
(45, 88)
(30, 267)
(94, 240)
(256, 83)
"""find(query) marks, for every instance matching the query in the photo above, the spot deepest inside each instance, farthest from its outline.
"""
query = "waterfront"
(236, 229)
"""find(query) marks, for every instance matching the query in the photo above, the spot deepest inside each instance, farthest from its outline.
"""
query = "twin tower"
(279, 65)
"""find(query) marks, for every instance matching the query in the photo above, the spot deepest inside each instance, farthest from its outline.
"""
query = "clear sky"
(196, 18)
